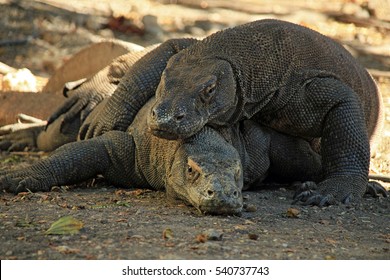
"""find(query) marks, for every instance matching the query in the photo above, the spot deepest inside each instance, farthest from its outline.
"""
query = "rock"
(253, 236)
(379, 9)
(250, 207)
(206, 25)
(354, 9)
(106, 33)
(194, 31)
(95, 22)
(151, 25)
(21, 80)
(213, 235)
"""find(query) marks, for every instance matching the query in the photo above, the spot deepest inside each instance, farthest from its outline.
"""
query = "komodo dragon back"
(255, 67)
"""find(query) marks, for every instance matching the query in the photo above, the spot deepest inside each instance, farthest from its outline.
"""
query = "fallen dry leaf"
(292, 212)
(65, 225)
(201, 238)
(167, 233)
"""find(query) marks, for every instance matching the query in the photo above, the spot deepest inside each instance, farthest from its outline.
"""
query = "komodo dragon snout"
(211, 183)
(184, 104)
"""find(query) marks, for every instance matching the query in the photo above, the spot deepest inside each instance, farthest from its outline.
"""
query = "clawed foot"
(21, 139)
(20, 181)
(307, 194)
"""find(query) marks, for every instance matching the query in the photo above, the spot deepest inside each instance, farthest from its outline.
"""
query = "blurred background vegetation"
(41, 35)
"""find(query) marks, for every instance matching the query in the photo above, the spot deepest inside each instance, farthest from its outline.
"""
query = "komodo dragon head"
(191, 94)
(207, 173)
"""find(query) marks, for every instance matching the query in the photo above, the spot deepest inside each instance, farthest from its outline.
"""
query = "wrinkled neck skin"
(206, 173)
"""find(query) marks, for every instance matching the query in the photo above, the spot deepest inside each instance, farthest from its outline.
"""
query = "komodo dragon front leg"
(84, 95)
(333, 112)
(64, 124)
(134, 90)
(286, 158)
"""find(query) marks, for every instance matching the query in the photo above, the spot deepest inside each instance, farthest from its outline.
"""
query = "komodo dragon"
(281, 75)
(203, 170)
(208, 170)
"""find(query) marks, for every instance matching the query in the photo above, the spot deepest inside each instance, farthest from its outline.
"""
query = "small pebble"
(213, 235)
(250, 208)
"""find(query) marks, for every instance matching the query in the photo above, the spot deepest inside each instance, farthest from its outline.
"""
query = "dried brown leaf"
(292, 213)
(201, 238)
(65, 225)
(167, 233)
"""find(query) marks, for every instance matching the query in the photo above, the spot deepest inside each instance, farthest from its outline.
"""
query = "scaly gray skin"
(281, 75)
(203, 170)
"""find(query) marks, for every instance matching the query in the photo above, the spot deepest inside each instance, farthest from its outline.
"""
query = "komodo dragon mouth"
(161, 133)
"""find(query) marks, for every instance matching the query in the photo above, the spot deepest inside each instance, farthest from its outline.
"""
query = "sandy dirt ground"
(142, 224)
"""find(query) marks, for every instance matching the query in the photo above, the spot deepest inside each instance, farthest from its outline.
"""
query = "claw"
(4, 145)
(307, 194)
(302, 196)
(375, 189)
(21, 187)
(304, 191)
(63, 109)
(315, 199)
(348, 199)
(18, 146)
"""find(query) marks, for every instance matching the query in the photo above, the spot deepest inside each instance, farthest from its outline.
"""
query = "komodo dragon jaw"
(185, 104)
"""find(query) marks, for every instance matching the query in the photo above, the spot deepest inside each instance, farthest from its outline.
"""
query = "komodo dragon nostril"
(210, 193)
(153, 113)
(179, 117)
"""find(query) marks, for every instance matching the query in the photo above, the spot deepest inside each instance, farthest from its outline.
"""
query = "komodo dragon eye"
(192, 174)
(193, 170)
(208, 93)
(237, 175)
